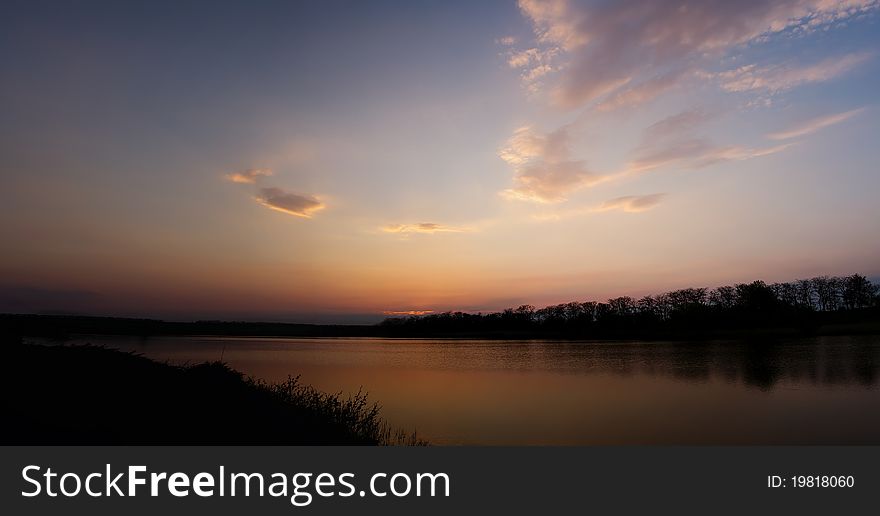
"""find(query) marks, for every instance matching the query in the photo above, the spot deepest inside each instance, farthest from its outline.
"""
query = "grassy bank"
(94, 395)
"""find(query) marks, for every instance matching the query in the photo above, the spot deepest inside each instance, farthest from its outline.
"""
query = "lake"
(821, 390)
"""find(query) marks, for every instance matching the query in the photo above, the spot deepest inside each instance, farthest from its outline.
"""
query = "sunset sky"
(331, 161)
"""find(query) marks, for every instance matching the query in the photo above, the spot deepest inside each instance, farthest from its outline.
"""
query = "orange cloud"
(290, 203)
(407, 312)
(628, 204)
(422, 227)
(632, 203)
(249, 176)
(543, 171)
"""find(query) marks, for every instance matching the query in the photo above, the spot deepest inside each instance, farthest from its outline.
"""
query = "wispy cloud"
(697, 153)
(641, 93)
(249, 176)
(777, 78)
(628, 204)
(673, 153)
(290, 203)
(543, 170)
(674, 126)
(423, 228)
(600, 48)
(632, 203)
(407, 312)
(607, 56)
(670, 141)
(534, 64)
(811, 126)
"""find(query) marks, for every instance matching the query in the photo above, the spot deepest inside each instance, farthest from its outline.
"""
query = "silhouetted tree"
(826, 291)
(858, 292)
(805, 293)
(798, 303)
(623, 306)
(723, 298)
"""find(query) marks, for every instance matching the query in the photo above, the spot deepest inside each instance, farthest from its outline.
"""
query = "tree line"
(801, 303)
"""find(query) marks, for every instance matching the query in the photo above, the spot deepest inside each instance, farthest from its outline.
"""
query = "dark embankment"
(93, 395)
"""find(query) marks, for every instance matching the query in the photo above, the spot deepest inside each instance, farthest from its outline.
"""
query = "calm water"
(818, 390)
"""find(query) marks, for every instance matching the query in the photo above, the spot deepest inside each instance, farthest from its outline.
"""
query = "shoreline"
(85, 394)
(61, 328)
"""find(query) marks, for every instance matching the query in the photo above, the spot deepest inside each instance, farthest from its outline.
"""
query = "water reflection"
(844, 360)
(794, 391)
(759, 364)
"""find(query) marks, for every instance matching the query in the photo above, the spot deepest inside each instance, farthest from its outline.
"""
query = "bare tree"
(805, 294)
(857, 292)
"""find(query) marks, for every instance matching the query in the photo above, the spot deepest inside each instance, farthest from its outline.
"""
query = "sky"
(337, 161)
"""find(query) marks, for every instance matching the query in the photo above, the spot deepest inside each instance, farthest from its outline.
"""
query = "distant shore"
(64, 327)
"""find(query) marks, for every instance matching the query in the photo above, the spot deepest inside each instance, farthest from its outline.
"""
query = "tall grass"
(354, 412)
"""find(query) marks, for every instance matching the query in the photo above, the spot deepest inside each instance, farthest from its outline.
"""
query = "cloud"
(543, 170)
(407, 312)
(641, 93)
(628, 204)
(811, 126)
(697, 153)
(530, 57)
(601, 47)
(670, 142)
(249, 176)
(556, 23)
(506, 41)
(423, 228)
(604, 56)
(778, 78)
(277, 198)
(534, 63)
(289, 203)
(522, 58)
(674, 126)
(672, 153)
(632, 203)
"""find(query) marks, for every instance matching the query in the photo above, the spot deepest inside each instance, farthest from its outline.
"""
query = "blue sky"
(429, 155)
